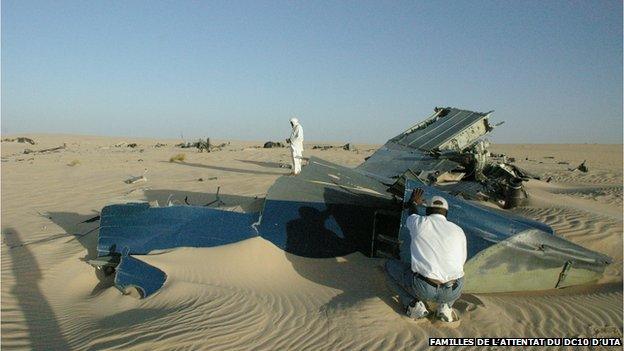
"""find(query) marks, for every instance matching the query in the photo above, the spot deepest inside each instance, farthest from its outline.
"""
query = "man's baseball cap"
(438, 202)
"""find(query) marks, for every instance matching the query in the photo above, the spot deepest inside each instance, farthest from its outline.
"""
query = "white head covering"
(438, 202)
(294, 121)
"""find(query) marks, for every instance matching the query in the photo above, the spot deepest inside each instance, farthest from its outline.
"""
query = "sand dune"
(252, 295)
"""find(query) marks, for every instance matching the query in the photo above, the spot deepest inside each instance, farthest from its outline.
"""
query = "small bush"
(178, 157)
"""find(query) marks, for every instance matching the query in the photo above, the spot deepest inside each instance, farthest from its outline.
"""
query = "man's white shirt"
(438, 247)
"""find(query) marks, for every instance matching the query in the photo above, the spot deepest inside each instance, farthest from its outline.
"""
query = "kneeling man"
(438, 254)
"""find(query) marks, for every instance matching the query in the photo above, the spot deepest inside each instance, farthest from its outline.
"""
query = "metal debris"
(53, 149)
(202, 145)
(273, 144)
(20, 140)
(449, 146)
(348, 147)
(133, 180)
(582, 167)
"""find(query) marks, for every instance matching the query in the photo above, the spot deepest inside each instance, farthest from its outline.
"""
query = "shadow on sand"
(267, 164)
(226, 169)
(346, 266)
(43, 328)
(86, 233)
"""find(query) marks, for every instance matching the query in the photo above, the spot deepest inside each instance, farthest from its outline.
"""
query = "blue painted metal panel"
(139, 228)
(132, 272)
(482, 226)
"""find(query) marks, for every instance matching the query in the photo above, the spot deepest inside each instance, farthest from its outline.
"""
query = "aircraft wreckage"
(336, 211)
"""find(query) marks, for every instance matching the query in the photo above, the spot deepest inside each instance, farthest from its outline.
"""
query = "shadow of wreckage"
(330, 210)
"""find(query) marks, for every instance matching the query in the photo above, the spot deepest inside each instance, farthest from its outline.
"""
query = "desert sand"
(252, 295)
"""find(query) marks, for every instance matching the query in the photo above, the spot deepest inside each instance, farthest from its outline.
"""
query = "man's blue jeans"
(411, 286)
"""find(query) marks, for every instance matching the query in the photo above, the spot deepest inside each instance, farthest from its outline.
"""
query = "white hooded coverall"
(296, 145)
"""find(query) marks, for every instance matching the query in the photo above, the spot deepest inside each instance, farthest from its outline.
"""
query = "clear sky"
(359, 71)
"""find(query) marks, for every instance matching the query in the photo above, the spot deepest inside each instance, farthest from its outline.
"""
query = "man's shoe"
(445, 313)
(418, 311)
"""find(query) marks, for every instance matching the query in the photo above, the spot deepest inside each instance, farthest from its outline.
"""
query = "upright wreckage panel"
(418, 148)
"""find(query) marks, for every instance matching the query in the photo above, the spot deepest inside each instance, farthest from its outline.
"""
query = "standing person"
(438, 253)
(296, 145)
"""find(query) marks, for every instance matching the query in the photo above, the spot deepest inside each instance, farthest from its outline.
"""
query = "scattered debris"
(133, 180)
(582, 167)
(74, 163)
(25, 140)
(202, 145)
(322, 147)
(202, 179)
(20, 140)
(53, 149)
(285, 165)
(137, 179)
(188, 145)
(160, 145)
(222, 145)
(178, 157)
(273, 144)
(349, 147)
(217, 200)
(132, 145)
